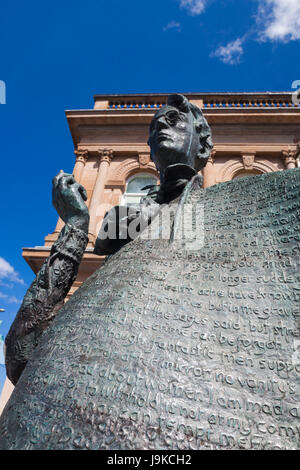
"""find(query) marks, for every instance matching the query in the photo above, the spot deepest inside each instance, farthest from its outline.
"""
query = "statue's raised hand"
(68, 198)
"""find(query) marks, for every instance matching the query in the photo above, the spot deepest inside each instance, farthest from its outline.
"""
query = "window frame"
(140, 195)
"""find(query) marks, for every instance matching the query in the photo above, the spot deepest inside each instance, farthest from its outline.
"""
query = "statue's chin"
(169, 154)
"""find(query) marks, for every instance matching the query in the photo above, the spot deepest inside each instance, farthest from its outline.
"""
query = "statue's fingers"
(66, 181)
(57, 178)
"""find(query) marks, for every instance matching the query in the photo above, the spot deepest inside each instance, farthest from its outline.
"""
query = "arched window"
(134, 185)
(243, 173)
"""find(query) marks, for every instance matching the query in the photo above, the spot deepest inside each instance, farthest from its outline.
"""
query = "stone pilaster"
(81, 159)
(105, 157)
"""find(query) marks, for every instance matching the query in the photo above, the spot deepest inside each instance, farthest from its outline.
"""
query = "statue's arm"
(46, 294)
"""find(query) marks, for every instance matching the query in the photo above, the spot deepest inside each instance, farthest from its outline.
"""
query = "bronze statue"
(180, 142)
(46, 294)
(170, 344)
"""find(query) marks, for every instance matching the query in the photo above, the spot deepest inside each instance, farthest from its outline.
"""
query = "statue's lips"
(163, 136)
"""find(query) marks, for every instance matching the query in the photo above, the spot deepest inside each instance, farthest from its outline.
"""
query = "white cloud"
(10, 299)
(279, 20)
(231, 53)
(173, 25)
(7, 272)
(194, 7)
(5, 284)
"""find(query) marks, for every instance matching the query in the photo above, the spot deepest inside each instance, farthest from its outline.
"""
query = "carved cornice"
(81, 155)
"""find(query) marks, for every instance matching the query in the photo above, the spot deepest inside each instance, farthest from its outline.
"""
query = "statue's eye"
(172, 117)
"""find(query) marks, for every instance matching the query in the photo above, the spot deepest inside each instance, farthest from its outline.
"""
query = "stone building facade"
(253, 133)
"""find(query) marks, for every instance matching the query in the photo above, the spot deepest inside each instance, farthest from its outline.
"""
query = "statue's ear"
(206, 145)
(204, 132)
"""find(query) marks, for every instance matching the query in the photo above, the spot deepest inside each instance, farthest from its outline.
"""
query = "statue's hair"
(181, 103)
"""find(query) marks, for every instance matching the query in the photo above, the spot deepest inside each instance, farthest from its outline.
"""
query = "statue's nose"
(161, 123)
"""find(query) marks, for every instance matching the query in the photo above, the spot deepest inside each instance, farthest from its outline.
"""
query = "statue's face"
(173, 138)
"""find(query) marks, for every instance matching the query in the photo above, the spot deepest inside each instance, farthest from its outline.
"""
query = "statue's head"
(179, 133)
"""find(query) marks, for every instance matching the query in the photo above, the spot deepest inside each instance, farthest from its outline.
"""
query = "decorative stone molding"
(124, 169)
(144, 159)
(248, 160)
(211, 158)
(105, 155)
(290, 158)
(232, 168)
(81, 159)
(115, 184)
(81, 155)
(298, 155)
(128, 167)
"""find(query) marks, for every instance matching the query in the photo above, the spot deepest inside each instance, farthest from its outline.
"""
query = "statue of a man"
(177, 341)
(180, 143)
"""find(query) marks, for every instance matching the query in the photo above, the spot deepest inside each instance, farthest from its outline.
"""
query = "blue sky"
(57, 55)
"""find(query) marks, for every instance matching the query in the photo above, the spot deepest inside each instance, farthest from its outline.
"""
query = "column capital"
(105, 155)
(298, 150)
(248, 159)
(290, 157)
(298, 155)
(81, 155)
